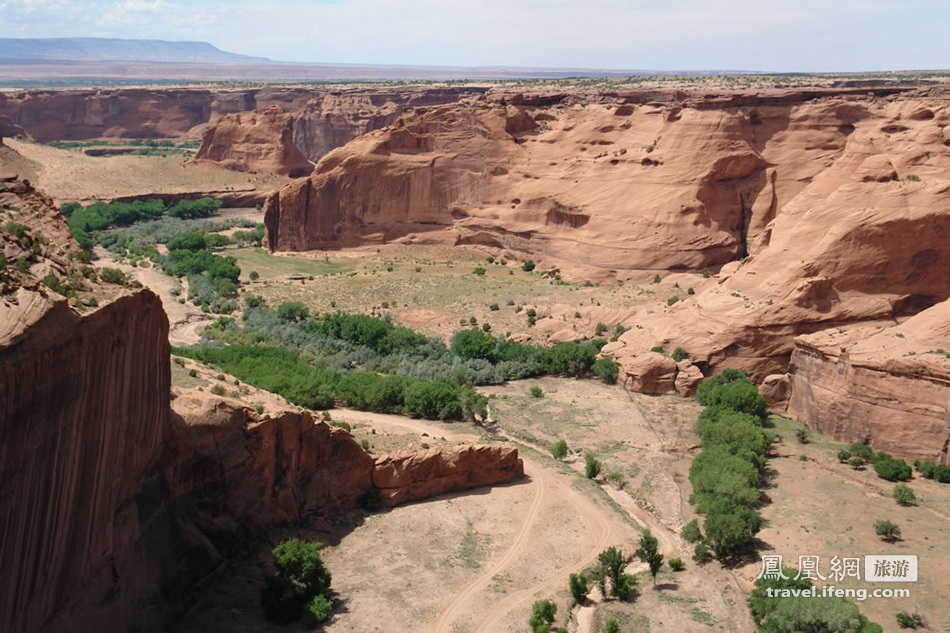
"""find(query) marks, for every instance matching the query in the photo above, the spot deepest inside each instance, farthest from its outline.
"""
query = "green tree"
(606, 369)
(300, 578)
(469, 344)
(892, 469)
(559, 450)
(649, 553)
(691, 532)
(612, 563)
(612, 626)
(293, 311)
(542, 616)
(904, 495)
(528, 266)
(579, 587)
(592, 465)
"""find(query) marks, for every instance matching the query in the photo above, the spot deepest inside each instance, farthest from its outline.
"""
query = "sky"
(762, 35)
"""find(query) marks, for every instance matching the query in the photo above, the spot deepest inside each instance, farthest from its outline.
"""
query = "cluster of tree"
(284, 372)
(788, 614)
(932, 470)
(885, 465)
(563, 359)
(99, 216)
(300, 587)
(726, 474)
(212, 279)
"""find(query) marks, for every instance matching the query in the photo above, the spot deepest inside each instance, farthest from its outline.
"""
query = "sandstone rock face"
(83, 417)
(626, 185)
(409, 477)
(841, 249)
(887, 385)
(324, 119)
(688, 377)
(255, 142)
(651, 373)
(775, 390)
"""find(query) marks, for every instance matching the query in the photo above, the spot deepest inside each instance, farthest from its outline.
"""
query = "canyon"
(810, 226)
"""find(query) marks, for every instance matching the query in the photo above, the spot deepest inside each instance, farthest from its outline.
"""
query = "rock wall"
(324, 119)
(402, 478)
(885, 385)
(255, 142)
(83, 417)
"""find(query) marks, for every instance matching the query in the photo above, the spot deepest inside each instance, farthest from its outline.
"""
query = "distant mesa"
(97, 49)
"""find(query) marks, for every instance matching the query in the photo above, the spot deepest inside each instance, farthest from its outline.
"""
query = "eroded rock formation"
(255, 142)
(408, 477)
(886, 385)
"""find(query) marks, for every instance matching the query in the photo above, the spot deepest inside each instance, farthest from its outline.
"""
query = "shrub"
(612, 625)
(856, 463)
(691, 532)
(193, 372)
(844, 456)
(606, 369)
(537, 392)
(701, 552)
(253, 275)
(656, 278)
(559, 450)
(888, 531)
(672, 300)
(528, 266)
(293, 311)
(592, 465)
(679, 354)
(802, 435)
(478, 271)
(649, 553)
(299, 580)
(542, 615)
(317, 611)
(617, 478)
(892, 469)
(600, 329)
(677, 564)
(113, 276)
(579, 587)
(904, 495)
(493, 307)
(906, 620)
(218, 390)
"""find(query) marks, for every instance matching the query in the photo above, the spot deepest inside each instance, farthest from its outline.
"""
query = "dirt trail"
(549, 488)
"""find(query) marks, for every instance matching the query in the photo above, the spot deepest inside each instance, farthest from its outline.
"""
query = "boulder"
(650, 373)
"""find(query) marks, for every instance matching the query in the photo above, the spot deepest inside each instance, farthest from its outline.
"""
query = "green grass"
(274, 267)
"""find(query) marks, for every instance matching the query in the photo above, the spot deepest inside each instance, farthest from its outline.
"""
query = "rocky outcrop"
(402, 478)
(841, 249)
(775, 390)
(325, 119)
(83, 418)
(255, 142)
(651, 373)
(886, 385)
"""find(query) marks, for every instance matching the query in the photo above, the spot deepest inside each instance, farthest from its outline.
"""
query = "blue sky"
(768, 35)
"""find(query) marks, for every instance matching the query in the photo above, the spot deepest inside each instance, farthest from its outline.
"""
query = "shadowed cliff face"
(83, 417)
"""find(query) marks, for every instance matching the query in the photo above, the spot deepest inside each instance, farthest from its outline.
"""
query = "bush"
(892, 469)
(844, 456)
(906, 620)
(559, 450)
(904, 495)
(542, 615)
(299, 580)
(317, 611)
(113, 276)
(528, 266)
(612, 626)
(537, 392)
(606, 369)
(253, 275)
(691, 532)
(600, 329)
(677, 564)
(679, 354)
(579, 587)
(293, 311)
(888, 531)
(479, 271)
(218, 390)
(592, 465)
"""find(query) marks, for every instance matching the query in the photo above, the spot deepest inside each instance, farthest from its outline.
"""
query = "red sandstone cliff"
(408, 477)
(886, 385)
(255, 142)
